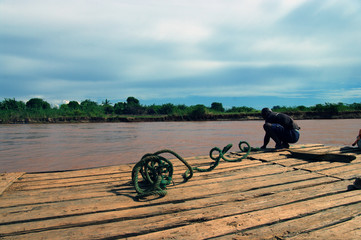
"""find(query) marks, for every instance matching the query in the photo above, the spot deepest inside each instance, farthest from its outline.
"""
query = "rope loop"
(157, 171)
(242, 150)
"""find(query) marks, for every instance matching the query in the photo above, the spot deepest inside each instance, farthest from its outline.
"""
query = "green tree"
(302, 108)
(242, 109)
(166, 109)
(181, 110)
(88, 105)
(133, 107)
(37, 103)
(107, 108)
(152, 109)
(119, 108)
(12, 104)
(182, 107)
(132, 101)
(106, 102)
(332, 108)
(216, 106)
(355, 106)
(73, 105)
(277, 108)
(64, 108)
(317, 108)
(342, 107)
(198, 112)
(91, 108)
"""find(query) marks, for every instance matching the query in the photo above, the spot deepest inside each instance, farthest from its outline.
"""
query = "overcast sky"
(256, 53)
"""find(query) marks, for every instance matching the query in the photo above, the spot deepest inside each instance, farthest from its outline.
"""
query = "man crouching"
(281, 128)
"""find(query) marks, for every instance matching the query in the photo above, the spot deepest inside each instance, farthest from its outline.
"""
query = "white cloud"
(290, 48)
(339, 95)
(12, 64)
(114, 48)
(179, 31)
(346, 8)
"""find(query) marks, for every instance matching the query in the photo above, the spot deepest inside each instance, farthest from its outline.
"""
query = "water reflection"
(51, 147)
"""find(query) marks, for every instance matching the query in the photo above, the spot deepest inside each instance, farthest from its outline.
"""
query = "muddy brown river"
(55, 147)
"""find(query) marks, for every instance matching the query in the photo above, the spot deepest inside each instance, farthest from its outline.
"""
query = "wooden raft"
(266, 196)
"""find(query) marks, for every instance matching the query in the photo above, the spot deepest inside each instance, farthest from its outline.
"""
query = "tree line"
(37, 108)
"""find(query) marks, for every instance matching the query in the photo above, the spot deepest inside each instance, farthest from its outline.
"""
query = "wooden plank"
(122, 178)
(198, 223)
(66, 179)
(265, 196)
(81, 192)
(272, 153)
(126, 168)
(67, 182)
(223, 205)
(317, 166)
(288, 162)
(259, 186)
(77, 173)
(113, 204)
(341, 169)
(348, 175)
(348, 227)
(312, 226)
(238, 221)
(6, 179)
(285, 153)
(113, 177)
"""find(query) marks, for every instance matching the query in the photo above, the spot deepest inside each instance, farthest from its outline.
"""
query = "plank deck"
(268, 195)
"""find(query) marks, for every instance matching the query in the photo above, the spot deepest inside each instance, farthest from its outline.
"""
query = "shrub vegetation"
(12, 110)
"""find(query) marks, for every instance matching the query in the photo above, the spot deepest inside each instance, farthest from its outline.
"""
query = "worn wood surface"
(6, 179)
(269, 195)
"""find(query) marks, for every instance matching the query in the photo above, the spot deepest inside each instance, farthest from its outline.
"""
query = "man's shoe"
(285, 145)
(279, 146)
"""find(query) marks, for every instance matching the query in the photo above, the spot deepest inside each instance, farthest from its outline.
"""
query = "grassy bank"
(164, 118)
(39, 111)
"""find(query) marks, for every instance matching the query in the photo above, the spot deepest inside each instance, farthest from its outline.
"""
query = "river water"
(55, 147)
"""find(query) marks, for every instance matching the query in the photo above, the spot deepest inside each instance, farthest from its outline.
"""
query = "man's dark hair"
(265, 112)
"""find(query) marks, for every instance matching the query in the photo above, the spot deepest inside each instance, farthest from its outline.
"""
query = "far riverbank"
(177, 118)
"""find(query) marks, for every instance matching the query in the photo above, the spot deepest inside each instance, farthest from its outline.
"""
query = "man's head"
(265, 112)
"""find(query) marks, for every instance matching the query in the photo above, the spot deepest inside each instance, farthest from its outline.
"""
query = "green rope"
(157, 171)
(243, 149)
(251, 149)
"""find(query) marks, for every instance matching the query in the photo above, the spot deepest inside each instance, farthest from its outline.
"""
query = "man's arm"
(266, 140)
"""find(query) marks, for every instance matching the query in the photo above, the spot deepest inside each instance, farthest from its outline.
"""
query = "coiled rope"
(157, 171)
